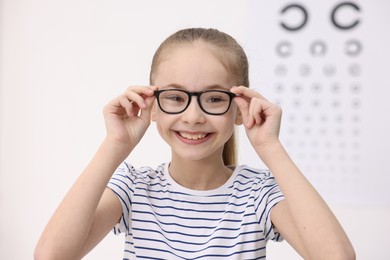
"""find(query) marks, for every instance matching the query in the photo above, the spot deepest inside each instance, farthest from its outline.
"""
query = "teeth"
(192, 137)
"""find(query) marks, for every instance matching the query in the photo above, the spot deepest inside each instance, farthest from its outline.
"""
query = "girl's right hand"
(127, 117)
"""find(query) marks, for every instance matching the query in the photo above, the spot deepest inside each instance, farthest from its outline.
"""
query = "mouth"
(194, 137)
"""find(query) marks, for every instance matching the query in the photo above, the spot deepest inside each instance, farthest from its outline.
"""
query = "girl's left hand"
(260, 117)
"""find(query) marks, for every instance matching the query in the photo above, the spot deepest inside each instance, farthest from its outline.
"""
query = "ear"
(153, 112)
(238, 120)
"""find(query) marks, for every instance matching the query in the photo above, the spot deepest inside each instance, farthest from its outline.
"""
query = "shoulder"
(260, 181)
(141, 174)
(143, 171)
(254, 174)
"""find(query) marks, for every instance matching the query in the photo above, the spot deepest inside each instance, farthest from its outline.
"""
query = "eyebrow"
(210, 87)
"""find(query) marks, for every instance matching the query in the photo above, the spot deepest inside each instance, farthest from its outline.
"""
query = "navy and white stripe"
(163, 220)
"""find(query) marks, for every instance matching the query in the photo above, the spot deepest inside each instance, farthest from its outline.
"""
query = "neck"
(205, 174)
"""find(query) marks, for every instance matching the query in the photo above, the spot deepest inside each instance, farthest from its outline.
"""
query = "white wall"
(60, 63)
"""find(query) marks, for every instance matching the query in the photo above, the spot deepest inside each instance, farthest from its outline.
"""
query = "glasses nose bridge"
(194, 94)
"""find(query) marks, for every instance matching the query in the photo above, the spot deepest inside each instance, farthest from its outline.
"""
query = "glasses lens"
(215, 102)
(173, 101)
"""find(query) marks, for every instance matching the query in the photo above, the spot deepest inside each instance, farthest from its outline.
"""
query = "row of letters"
(302, 10)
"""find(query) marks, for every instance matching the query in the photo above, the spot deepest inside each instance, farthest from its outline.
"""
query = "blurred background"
(324, 62)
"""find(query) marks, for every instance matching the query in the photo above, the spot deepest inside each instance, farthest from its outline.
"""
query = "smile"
(193, 137)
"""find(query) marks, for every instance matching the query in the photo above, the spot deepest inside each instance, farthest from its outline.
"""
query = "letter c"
(301, 24)
(345, 26)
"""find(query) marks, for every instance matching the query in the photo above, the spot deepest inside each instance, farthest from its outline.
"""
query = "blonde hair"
(232, 56)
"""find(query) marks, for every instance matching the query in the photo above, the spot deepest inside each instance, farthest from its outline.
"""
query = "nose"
(193, 114)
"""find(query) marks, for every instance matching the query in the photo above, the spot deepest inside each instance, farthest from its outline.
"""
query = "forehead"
(194, 67)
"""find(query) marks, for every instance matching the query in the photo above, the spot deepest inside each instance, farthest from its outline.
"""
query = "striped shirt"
(163, 220)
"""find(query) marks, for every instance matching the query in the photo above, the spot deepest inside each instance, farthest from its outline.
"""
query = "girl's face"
(194, 134)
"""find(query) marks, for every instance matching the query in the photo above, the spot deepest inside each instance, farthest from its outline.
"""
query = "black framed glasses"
(176, 101)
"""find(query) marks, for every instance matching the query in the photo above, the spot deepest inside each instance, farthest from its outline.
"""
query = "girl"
(200, 204)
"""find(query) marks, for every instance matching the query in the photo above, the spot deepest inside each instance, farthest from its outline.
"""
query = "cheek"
(226, 124)
(163, 122)
(162, 130)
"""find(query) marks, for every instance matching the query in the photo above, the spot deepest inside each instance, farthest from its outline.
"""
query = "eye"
(217, 98)
(174, 97)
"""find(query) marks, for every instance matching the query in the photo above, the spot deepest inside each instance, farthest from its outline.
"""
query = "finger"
(114, 107)
(244, 101)
(256, 111)
(142, 90)
(246, 92)
(243, 106)
(251, 121)
(127, 105)
(147, 91)
(146, 113)
(137, 95)
(246, 111)
(153, 88)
